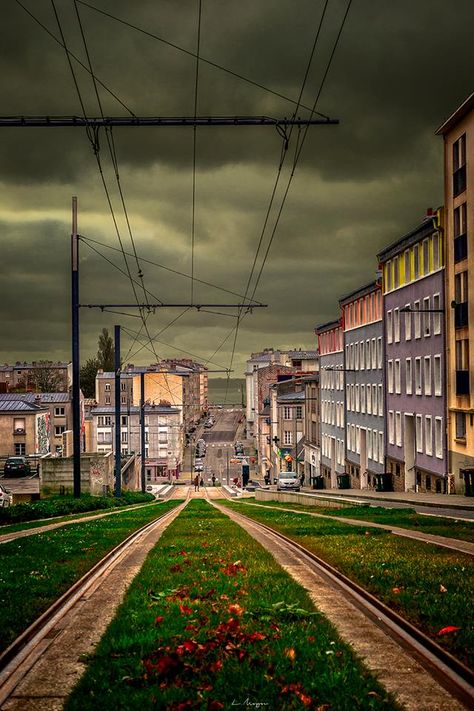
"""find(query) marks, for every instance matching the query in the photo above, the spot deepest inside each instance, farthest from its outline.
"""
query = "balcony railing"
(460, 247)
(461, 319)
(459, 180)
(19, 431)
(462, 382)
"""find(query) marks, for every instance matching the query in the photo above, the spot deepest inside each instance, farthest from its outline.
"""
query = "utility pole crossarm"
(81, 121)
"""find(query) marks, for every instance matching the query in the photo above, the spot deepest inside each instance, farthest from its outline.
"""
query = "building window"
(396, 276)
(299, 412)
(428, 435)
(20, 449)
(426, 256)
(396, 325)
(389, 327)
(417, 319)
(460, 233)
(427, 375)
(123, 399)
(287, 438)
(426, 316)
(407, 323)
(439, 437)
(461, 298)
(416, 260)
(123, 420)
(357, 438)
(369, 443)
(408, 377)
(407, 266)
(58, 430)
(100, 421)
(391, 427)
(123, 386)
(419, 433)
(362, 355)
(374, 399)
(381, 453)
(374, 353)
(107, 421)
(374, 445)
(107, 399)
(107, 387)
(388, 276)
(462, 367)
(356, 356)
(398, 429)
(398, 386)
(417, 376)
(59, 411)
(380, 400)
(19, 425)
(124, 437)
(357, 396)
(367, 355)
(461, 425)
(379, 352)
(369, 399)
(362, 398)
(438, 384)
(436, 316)
(459, 165)
(390, 376)
(287, 413)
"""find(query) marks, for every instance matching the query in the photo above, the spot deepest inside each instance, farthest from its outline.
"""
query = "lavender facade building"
(415, 392)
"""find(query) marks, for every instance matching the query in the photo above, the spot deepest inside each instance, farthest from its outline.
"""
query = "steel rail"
(22, 650)
(447, 670)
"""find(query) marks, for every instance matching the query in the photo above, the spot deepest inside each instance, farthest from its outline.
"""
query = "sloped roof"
(19, 406)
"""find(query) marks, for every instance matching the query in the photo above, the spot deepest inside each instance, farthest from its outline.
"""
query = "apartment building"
(364, 401)
(24, 428)
(331, 378)
(287, 407)
(312, 430)
(37, 376)
(414, 318)
(458, 136)
(163, 436)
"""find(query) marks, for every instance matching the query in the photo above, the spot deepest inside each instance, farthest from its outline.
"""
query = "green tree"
(88, 375)
(106, 352)
(44, 378)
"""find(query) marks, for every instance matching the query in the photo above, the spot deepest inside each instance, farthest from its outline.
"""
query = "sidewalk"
(454, 501)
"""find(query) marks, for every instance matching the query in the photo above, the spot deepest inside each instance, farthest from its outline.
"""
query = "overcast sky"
(399, 70)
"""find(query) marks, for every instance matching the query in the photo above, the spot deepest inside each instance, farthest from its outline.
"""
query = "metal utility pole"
(227, 464)
(118, 427)
(76, 405)
(142, 430)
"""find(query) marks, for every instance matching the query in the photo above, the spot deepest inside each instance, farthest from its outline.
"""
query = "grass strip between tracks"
(36, 570)
(429, 585)
(403, 518)
(212, 621)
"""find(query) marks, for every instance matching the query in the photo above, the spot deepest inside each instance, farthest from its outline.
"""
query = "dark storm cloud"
(399, 71)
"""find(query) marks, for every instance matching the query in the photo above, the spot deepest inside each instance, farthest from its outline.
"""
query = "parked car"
(16, 466)
(288, 481)
(6, 498)
(198, 467)
(253, 484)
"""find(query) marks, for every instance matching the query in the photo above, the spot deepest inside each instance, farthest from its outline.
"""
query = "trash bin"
(343, 481)
(318, 482)
(384, 482)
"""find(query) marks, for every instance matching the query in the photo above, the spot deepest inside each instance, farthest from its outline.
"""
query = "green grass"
(404, 518)
(212, 621)
(429, 585)
(36, 570)
(12, 528)
(63, 505)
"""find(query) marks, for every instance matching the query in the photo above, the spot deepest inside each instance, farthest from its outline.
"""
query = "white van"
(288, 481)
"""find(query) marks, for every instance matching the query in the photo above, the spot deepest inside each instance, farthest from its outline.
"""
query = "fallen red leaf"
(182, 553)
(397, 591)
(159, 619)
(236, 609)
(185, 610)
(448, 629)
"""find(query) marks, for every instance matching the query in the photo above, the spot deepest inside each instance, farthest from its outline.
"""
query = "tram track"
(20, 658)
(443, 668)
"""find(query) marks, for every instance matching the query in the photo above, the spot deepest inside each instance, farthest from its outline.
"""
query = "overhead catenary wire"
(76, 59)
(168, 269)
(285, 144)
(192, 54)
(193, 206)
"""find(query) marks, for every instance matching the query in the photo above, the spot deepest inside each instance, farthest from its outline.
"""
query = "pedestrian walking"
(201, 482)
(213, 480)
(196, 483)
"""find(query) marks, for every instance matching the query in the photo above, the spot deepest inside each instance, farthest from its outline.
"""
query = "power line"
(191, 54)
(193, 209)
(76, 59)
(168, 269)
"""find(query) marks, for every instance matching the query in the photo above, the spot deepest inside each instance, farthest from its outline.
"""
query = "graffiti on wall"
(42, 433)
